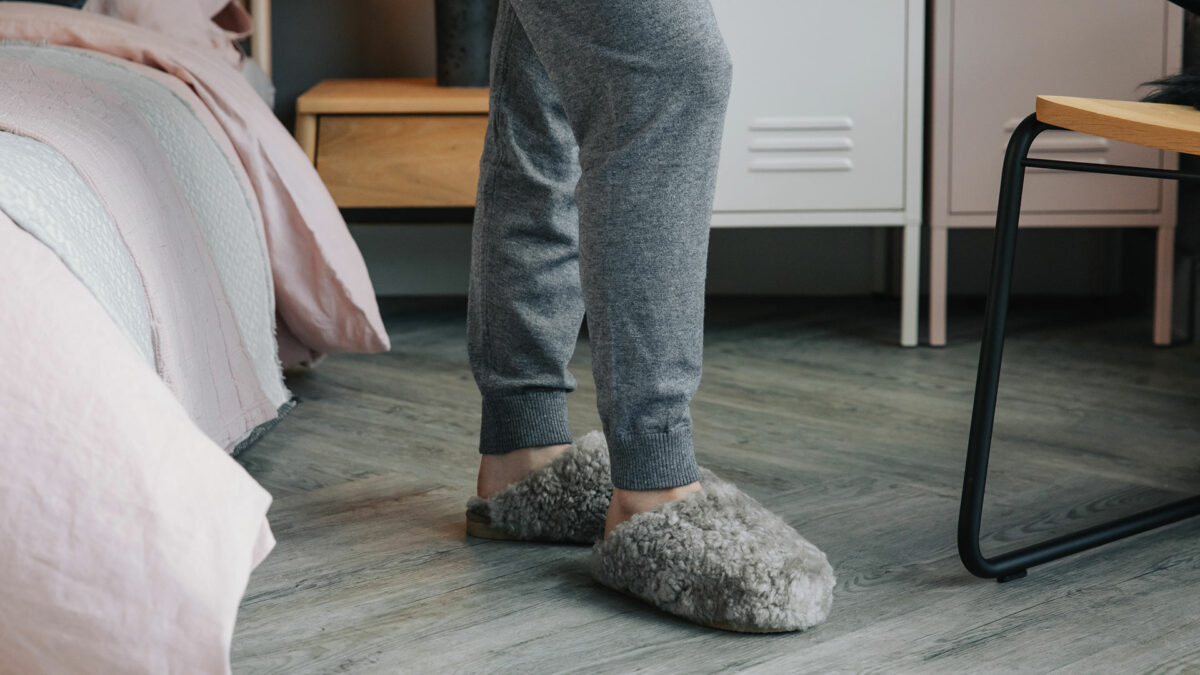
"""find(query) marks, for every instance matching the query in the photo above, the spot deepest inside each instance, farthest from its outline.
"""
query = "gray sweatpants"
(595, 191)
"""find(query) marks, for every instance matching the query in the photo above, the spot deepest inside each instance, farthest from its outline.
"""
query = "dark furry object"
(1181, 89)
(1190, 5)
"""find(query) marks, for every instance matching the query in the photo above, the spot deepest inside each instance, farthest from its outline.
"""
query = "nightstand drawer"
(400, 160)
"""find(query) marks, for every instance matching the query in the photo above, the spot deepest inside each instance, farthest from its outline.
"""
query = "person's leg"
(525, 304)
(644, 85)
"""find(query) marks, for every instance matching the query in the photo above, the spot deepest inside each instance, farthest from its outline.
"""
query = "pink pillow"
(126, 536)
(190, 21)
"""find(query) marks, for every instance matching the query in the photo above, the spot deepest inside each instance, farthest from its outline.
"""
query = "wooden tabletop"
(390, 96)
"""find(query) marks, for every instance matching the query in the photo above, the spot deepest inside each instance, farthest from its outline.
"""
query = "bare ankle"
(628, 503)
(497, 471)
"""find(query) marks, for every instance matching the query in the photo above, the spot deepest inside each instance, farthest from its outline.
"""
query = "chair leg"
(1164, 285)
(938, 254)
(1013, 565)
(1008, 215)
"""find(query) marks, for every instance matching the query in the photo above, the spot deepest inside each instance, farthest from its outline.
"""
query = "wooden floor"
(812, 409)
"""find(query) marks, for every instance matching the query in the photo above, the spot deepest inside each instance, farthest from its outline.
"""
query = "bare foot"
(497, 471)
(627, 503)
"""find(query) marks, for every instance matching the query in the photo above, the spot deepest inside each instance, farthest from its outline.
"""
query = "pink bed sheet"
(323, 293)
(127, 536)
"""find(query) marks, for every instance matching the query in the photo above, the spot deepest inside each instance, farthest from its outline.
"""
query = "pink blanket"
(324, 295)
(199, 351)
(126, 535)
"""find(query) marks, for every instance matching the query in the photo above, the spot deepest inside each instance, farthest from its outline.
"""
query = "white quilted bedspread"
(45, 195)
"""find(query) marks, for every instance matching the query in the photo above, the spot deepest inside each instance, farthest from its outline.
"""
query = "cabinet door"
(1003, 54)
(816, 118)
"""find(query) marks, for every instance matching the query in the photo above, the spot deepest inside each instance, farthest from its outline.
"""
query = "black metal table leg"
(1013, 565)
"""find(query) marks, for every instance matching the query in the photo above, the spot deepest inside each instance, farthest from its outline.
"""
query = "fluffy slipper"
(721, 559)
(563, 502)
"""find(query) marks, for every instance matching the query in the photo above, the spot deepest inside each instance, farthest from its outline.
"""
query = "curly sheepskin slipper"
(563, 502)
(721, 559)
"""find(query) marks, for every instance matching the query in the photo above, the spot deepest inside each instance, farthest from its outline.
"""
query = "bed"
(165, 251)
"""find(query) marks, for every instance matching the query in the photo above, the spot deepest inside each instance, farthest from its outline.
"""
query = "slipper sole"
(481, 527)
(717, 625)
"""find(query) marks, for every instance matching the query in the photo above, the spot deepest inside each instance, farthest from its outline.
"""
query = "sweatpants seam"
(501, 72)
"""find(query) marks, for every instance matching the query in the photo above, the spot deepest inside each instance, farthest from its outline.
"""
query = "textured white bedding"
(44, 194)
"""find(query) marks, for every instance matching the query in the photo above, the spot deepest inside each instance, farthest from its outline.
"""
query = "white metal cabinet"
(817, 110)
(825, 120)
(989, 62)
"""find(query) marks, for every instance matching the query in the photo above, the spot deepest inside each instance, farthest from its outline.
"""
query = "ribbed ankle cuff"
(653, 461)
(526, 420)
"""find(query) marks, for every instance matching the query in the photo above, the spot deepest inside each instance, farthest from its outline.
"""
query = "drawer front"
(816, 118)
(401, 160)
(1006, 53)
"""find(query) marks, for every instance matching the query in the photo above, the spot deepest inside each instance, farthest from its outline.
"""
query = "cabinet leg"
(938, 252)
(910, 286)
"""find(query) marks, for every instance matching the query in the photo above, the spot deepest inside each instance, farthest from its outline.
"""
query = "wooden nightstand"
(394, 143)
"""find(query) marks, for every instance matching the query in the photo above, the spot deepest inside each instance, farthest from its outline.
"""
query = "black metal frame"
(1014, 564)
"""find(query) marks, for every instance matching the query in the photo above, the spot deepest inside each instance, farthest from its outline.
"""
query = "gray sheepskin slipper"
(721, 559)
(564, 502)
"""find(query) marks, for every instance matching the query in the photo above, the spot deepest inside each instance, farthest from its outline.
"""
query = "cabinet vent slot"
(801, 144)
(836, 123)
(813, 164)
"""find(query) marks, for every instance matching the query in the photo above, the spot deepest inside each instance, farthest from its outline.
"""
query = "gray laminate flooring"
(812, 409)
